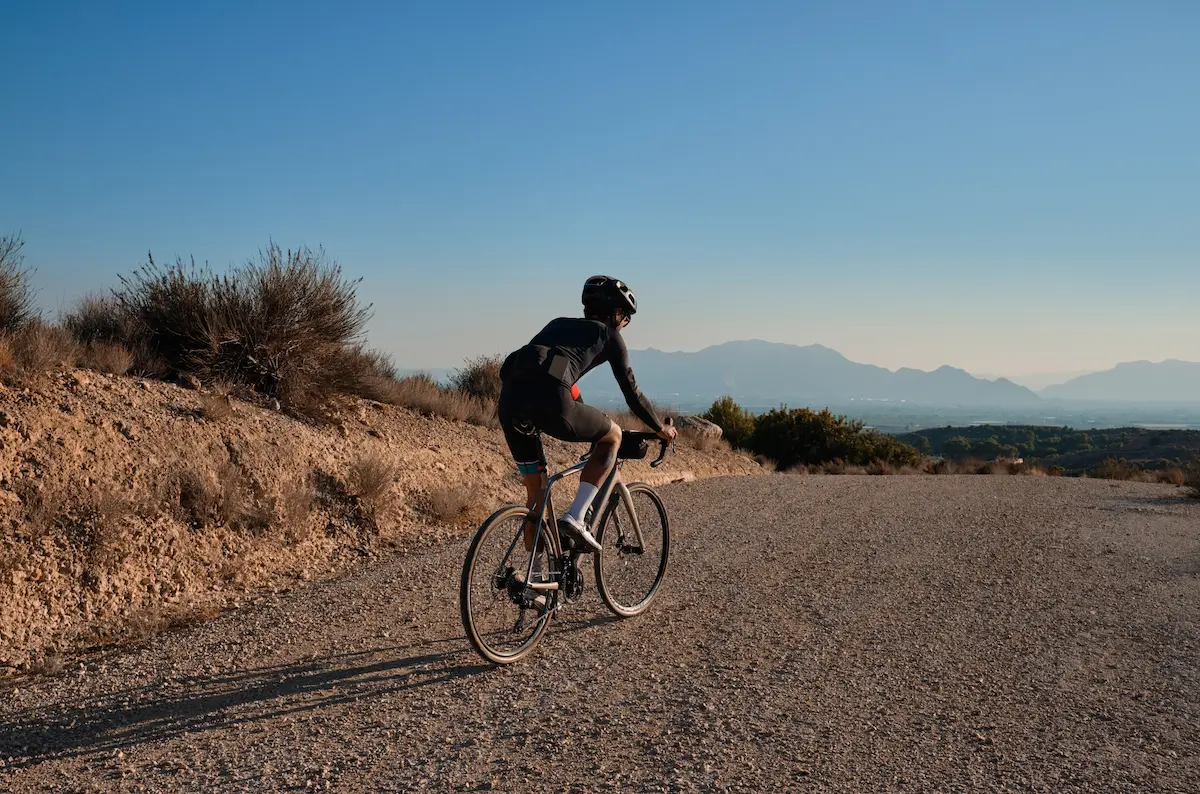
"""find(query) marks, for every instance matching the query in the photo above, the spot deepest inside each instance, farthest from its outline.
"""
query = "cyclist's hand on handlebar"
(668, 433)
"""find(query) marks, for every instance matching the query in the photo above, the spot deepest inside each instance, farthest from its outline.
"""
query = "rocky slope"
(129, 504)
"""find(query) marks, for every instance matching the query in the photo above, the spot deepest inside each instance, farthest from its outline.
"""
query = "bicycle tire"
(613, 595)
(466, 594)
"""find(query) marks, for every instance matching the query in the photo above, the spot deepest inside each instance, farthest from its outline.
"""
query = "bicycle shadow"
(121, 719)
(118, 720)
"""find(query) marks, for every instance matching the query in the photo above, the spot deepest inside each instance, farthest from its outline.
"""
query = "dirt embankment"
(132, 503)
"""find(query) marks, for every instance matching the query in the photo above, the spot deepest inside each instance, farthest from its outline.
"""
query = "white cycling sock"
(587, 492)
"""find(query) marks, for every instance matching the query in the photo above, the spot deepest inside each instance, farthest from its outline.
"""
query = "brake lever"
(666, 447)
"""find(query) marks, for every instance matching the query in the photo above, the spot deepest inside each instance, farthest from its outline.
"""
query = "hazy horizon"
(1034, 381)
(1001, 188)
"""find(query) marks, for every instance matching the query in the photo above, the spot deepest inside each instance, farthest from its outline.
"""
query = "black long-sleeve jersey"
(570, 347)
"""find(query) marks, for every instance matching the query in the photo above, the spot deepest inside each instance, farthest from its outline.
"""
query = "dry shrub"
(7, 362)
(110, 357)
(1113, 469)
(936, 467)
(766, 463)
(421, 393)
(377, 374)
(1192, 480)
(286, 325)
(1172, 475)
(297, 496)
(197, 496)
(37, 349)
(479, 378)
(100, 318)
(16, 299)
(450, 503)
(879, 468)
(221, 496)
(370, 482)
(215, 406)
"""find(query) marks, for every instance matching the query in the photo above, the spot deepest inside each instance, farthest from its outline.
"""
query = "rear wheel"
(504, 618)
(631, 564)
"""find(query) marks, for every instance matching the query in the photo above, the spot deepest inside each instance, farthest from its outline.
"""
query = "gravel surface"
(814, 633)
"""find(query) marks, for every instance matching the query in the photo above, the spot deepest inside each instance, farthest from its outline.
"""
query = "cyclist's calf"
(604, 457)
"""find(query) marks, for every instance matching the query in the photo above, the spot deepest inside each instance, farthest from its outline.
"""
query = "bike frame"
(600, 504)
(545, 499)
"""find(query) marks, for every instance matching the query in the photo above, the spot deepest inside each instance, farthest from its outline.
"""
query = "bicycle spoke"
(628, 573)
(504, 616)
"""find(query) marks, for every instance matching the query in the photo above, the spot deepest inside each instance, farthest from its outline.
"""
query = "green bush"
(736, 423)
(800, 435)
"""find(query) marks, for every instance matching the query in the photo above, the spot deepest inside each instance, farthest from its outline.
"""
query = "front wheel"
(503, 617)
(635, 541)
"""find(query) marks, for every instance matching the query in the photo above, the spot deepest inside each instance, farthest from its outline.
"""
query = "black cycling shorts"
(530, 407)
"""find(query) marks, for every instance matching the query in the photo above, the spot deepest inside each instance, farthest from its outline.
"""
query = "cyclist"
(539, 395)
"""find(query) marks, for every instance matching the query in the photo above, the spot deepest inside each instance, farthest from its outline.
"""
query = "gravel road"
(814, 633)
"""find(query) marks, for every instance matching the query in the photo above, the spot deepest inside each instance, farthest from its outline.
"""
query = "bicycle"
(536, 580)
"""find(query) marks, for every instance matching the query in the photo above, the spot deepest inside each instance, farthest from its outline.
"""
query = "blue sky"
(1008, 187)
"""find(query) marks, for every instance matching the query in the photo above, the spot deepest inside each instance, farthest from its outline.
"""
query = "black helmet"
(605, 293)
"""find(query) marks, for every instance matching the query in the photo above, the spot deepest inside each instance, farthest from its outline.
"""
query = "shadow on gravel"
(114, 721)
(120, 719)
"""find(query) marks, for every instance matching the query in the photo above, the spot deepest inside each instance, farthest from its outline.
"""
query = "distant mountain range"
(758, 372)
(769, 373)
(1137, 381)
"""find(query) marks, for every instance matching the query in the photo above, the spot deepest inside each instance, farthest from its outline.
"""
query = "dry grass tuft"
(297, 497)
(832, 467)
(1172, 475)
(879, 468)
(449, 504)
(421, 393)
(37, 349)
(110, 357)
(370, 482)
(221, 496)
(703, 443)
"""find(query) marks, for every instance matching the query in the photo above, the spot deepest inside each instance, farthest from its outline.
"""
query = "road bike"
(519, 572)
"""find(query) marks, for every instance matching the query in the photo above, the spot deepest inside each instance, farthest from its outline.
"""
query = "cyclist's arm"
(618, 358)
